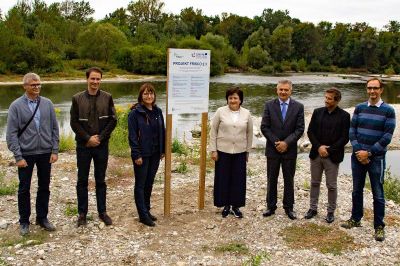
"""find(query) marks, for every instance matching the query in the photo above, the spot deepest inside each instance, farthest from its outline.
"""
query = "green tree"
(78, 11)
(108, 40)
(236, 28)
(271, 19)
(281, 43)
(194, 21)
(307, 42)
(258, 57)
(141, 11)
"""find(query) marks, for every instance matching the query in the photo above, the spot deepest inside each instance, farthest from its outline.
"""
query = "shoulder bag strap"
(30, 120)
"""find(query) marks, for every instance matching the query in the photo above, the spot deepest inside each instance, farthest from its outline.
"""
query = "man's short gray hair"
(284, 81)
(30, 76)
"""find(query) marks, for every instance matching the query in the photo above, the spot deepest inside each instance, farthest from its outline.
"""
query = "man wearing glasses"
(33, 136)
(371, 131)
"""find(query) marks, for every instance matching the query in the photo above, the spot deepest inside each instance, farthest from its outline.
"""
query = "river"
(308, 89)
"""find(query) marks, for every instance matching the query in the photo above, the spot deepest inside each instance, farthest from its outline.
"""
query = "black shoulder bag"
(30, 120)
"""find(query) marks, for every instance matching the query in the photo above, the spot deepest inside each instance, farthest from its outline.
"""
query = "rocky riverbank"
(189, 236)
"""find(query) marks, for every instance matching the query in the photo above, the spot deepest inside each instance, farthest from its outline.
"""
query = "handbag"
(30, 120)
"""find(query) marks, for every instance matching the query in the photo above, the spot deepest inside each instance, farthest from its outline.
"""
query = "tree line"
(64, 37)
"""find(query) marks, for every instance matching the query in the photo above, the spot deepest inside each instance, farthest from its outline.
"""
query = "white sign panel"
(188, 81)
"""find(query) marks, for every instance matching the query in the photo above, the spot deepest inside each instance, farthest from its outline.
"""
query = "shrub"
(119, 143)
(179, 147)
(7, 187)
(390, 70)
(268, 69)
(314, 66)
(302, 65)
(257, 57)
(67, 143)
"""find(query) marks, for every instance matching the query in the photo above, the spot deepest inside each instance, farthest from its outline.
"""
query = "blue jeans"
(376, 172)
(144, 180)
(43, 167)
(84, 156)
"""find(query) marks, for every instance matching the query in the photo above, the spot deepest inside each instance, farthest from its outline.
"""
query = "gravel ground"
(189, 236)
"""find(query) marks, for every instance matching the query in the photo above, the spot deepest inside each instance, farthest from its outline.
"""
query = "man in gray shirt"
(33, 137)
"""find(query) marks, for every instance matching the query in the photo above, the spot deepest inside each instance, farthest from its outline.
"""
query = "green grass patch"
(325, 239)
(306, 184)
(71, 210)
(119, 143)
(182, 168)
(234, 247)
(3, 262)
(67, 143)
(258, 259)
(391, 186)
(179, 147)
(34, 238)
(7, 187)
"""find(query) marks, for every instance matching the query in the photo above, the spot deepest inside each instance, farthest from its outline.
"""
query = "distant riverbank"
(235, 78)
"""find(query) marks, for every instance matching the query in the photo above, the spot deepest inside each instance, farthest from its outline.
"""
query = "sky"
(375, 13)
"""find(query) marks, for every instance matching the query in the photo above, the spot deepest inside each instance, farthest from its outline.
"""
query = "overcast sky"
(376, 13)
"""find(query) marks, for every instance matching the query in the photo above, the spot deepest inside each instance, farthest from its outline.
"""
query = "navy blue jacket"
(140, 132)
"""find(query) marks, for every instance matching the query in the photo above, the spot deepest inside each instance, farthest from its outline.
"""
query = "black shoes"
(226, 211)
(236, 212)
(81, 220)
(269, 212)
(330, 217)
(152, 217)
(105, 218)
(146, 220)
(24, 229)
(291, 214)
(310, 214)
(46, 225)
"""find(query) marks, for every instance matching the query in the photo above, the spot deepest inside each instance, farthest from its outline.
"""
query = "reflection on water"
(257, 89)
(392, 157)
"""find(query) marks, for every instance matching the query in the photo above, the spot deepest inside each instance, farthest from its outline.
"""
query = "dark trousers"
(288, 170)
(376, 172)
(144, 180)
(84, 157)
(230, 180)
(43, 193)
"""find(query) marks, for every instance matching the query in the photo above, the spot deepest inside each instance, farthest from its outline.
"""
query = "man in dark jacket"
(328, 132)
(93, 118)
(282, 125)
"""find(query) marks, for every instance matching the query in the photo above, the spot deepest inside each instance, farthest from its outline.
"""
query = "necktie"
(284, 109)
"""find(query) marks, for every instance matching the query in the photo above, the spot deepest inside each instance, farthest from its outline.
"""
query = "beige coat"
(228, 136)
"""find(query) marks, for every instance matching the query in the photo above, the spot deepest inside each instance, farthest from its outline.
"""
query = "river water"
(308, 89)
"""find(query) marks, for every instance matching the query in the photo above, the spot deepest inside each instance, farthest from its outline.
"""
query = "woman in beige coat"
(231, 141)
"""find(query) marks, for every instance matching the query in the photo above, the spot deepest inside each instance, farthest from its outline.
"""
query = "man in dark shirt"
(93, 119)
(328, 132)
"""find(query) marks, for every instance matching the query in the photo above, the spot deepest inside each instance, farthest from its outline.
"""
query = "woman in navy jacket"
(147, 142)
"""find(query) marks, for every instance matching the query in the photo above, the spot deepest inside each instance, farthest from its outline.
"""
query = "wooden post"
(167, 172)
(168, 141)
(203, 159)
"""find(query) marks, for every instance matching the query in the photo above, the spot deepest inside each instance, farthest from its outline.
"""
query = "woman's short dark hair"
(232, 91)
(93, 69)
(146, 87)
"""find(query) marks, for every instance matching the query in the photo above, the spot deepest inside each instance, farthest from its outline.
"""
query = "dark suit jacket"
(338, 137)
(275, 129)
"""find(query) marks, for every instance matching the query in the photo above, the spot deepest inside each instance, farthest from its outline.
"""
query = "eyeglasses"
(34, 85)
(373, 88)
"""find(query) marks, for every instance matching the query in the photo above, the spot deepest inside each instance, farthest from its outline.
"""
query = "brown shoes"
(105, 218)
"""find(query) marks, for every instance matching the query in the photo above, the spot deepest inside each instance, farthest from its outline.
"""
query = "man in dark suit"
(328, 132)
(282, 125)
